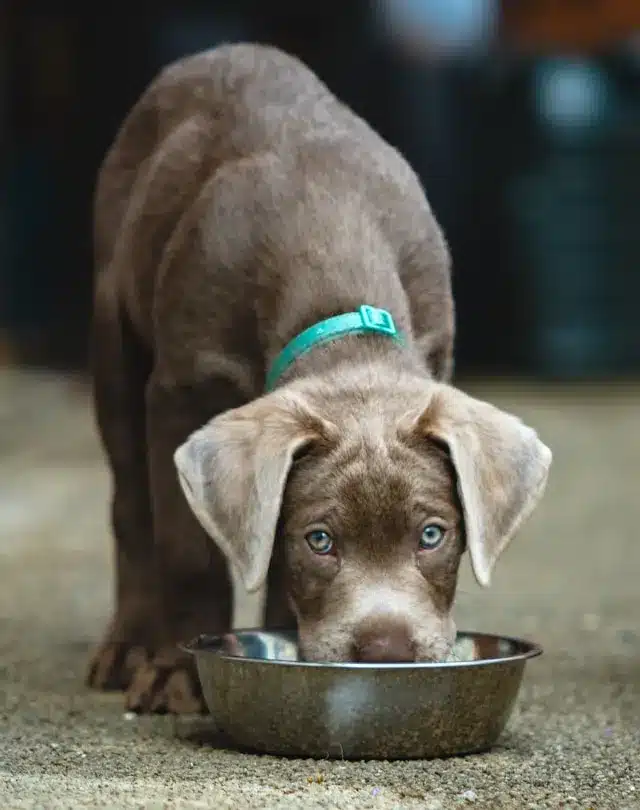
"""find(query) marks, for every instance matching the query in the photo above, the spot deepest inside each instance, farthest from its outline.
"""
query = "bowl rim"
(530, 649)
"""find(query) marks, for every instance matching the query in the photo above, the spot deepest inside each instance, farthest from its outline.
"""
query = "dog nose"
(388, 642)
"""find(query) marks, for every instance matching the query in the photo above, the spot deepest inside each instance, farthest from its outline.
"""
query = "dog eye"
(319, 542)
(432, 536)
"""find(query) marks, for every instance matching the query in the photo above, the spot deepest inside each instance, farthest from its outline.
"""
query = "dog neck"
(366, 320)
(365, 350)
(337, 306)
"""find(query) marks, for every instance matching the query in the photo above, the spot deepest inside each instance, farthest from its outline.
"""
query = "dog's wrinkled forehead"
(371, 482)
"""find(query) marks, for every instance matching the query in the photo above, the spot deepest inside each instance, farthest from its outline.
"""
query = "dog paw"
(167, 684)
(114, 664)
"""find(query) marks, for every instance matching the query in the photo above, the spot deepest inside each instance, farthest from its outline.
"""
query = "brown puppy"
(241, 204)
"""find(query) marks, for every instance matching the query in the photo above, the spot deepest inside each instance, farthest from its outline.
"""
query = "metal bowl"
(264, 699)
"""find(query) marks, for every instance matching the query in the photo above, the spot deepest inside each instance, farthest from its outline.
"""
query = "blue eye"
(319, 542)
(432, 536)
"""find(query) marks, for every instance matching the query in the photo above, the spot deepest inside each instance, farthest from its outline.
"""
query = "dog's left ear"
(501, 466)
(233, 473)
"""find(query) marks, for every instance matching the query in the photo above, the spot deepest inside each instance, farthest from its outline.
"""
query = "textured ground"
(570, 581)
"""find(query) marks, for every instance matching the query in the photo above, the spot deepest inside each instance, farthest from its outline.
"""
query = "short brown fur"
(241, 203)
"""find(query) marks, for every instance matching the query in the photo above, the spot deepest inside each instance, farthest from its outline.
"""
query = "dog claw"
(113, 666)
(165, 686)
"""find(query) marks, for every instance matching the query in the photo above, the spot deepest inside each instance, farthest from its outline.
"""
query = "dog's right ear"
(233, 473)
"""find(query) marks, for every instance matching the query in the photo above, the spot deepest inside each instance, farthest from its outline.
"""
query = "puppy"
(272, 354)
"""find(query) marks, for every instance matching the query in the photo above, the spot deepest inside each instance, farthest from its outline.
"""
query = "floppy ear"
(501, 465)
(233, 473)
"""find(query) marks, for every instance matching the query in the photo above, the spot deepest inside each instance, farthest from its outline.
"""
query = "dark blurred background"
(522, 117)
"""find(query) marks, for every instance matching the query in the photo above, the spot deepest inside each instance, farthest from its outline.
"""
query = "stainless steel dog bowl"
(264, 699)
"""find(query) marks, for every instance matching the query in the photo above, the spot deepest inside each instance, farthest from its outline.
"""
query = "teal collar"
(367, 320)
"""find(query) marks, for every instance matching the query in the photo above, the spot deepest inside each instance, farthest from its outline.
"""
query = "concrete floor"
(570, 581)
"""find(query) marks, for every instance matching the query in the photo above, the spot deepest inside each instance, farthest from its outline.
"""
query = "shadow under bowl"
(263, 698)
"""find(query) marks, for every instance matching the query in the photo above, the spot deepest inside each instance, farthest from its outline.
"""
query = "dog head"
(375, 490)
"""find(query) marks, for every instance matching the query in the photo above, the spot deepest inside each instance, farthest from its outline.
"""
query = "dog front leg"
(194, 583)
